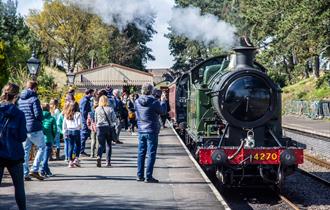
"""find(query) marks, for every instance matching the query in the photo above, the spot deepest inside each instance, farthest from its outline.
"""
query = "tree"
(14, 40)
(65, 30)
(129, 46)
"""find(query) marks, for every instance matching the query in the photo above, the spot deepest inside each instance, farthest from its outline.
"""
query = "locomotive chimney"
(245, 54)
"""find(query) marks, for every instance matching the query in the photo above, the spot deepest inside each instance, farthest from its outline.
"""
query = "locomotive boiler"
(230, 118)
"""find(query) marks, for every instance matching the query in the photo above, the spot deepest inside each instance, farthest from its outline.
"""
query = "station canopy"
(111, 75)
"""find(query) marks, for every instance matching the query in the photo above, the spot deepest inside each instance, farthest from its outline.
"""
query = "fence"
(311, 109)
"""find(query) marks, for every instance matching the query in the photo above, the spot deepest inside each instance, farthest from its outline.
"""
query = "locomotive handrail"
(223, 135)
(238, 150)
(275, 138)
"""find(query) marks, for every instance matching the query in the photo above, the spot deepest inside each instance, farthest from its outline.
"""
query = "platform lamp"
(70, 75)
(33, 65)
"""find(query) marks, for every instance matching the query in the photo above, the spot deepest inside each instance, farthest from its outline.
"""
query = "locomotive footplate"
(261, 155)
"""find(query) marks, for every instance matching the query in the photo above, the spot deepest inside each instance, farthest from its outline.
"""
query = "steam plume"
(120, 12)
(207, 29)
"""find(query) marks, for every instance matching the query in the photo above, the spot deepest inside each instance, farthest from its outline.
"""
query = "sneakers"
(36, 175)
(49, 174)
(76, 162)
(84, 154)
(151, 180)
(108, 164)
(27, 178)
(140, 179)
(43, 174)
(71, 165)
(98, 162)
(119, 142)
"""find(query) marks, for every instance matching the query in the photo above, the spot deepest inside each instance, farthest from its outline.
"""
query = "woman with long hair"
(105, 120)
(12, 134)
(71, 129)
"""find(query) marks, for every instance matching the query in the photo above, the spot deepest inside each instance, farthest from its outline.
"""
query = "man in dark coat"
(30, 105)
(85, 108)
(148, 109)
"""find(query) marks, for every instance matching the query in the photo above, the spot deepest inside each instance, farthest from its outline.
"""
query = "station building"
(113, 75)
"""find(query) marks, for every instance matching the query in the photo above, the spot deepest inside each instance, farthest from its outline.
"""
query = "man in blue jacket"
(148, 109)
(85, 108)
(30, 105)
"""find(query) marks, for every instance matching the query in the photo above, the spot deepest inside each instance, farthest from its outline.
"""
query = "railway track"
(317, 161)
(287, 199)
(304, 133)
(288, 202)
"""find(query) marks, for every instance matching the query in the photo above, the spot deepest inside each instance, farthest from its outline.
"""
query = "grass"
(59, 76)
(306, 90)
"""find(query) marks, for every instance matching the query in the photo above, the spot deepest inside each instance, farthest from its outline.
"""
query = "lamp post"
(33, 65)
(70, 75)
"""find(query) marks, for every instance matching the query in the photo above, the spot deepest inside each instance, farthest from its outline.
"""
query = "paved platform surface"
(319, 127)
(181, 185)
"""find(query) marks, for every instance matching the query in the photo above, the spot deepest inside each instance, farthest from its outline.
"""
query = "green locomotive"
(233, 119)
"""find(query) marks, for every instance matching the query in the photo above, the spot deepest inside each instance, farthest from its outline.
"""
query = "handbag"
(131, 115)
(112, 130)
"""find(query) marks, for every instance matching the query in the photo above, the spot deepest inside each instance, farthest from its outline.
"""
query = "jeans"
(133, 124)
(47, 153)
(16, 173)
(57, 141)
(104, 138)
(118, 129)
(84, 134)
(148, 143)
(94, 143)
(74, 142)
(36, 138)
(66, 148)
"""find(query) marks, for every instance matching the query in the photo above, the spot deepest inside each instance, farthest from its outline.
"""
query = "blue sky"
(159, 44)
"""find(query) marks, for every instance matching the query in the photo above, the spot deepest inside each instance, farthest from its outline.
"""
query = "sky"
(159, 44)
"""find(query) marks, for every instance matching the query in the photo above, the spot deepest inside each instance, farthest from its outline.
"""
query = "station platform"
(181, 184)
(318, 127)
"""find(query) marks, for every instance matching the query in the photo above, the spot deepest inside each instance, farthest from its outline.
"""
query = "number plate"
(265, 156)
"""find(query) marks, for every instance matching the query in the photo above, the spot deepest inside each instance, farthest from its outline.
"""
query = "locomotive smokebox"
(245, 54)
(245, 96)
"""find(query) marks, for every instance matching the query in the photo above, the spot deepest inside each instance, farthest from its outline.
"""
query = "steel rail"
(283, 198)
(305, 133)
(288, 202)
(317, 161)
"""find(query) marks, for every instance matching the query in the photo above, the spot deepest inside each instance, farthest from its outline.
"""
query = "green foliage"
(323, 81)
(289, 33)
(77, 37)
(3, 70)
(307, 90)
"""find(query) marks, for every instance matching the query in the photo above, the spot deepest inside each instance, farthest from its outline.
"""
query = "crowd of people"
(100, 116)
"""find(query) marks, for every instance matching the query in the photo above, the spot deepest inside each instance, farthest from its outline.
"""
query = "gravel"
(319, 171)
(306, 192)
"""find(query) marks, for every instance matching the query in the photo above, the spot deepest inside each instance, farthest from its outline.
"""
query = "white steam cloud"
(207, 28)
(120, 12)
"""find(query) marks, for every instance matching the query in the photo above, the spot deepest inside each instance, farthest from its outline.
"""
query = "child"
(54, 110)
(50, 130)
(71, 130)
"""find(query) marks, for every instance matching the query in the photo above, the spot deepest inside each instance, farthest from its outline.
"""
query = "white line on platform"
(207, 180)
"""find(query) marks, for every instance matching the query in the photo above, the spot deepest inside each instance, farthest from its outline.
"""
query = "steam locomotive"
(228, 111)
